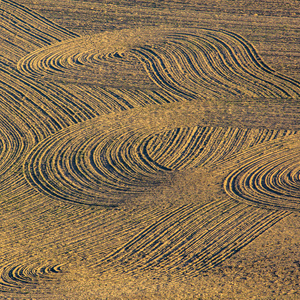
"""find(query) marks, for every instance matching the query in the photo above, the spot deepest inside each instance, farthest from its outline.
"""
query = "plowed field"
(149, 149)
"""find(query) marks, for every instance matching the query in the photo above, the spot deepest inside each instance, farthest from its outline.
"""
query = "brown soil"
(149, 149)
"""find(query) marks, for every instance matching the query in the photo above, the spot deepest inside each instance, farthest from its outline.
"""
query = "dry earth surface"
(149, 149)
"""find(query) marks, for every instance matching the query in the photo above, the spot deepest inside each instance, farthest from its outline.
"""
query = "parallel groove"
(57, 147)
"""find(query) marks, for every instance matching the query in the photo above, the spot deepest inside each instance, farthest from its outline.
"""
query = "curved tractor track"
(94, 164)
(268, 179)
(204, 64)
(111, 119)
(20, 276)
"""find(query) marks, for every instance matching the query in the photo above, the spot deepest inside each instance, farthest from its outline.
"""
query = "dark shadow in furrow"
(40, 18)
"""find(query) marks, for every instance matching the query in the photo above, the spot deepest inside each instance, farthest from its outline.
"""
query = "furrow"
(268, 180)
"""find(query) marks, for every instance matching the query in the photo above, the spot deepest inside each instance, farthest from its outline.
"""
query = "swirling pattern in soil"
(64, 141)
(96, 165)
(20, 276)
(271, 180)
(206, 63)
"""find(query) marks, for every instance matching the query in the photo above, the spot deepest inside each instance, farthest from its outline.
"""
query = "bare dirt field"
(149, 149)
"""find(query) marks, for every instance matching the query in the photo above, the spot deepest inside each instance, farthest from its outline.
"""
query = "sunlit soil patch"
(161, 149)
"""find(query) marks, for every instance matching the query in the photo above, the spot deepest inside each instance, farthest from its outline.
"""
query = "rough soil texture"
(149, 149)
